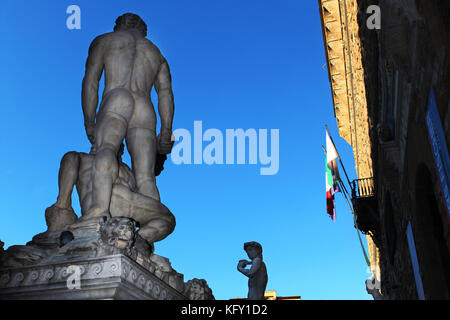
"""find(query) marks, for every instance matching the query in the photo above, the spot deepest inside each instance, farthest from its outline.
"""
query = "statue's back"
(129, 62)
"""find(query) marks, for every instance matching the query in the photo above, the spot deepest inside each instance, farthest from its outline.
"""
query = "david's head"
(131, 21)
(253, 249)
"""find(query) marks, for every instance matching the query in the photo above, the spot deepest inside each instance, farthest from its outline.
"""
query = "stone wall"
(346, 73)
(390, 73)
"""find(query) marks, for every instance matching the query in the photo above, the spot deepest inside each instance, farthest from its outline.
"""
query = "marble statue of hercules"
(132, 65)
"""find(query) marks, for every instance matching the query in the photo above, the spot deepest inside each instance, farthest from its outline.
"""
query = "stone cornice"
(109, 277)
(332, 29)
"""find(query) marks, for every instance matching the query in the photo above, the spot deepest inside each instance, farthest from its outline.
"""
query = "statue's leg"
(61, 213)
(67, 178)
(84, 183)
(155, 224)
(110, 129)
(141, 144)
(158, 228)
(155, 220)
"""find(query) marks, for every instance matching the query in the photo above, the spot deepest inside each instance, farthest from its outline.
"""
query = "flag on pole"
(331, 176)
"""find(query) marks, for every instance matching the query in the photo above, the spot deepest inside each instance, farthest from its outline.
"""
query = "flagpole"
(339, 157)
(357, 231)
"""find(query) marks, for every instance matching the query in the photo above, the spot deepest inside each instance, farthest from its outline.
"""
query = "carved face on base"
(198, 289)
(118, 232)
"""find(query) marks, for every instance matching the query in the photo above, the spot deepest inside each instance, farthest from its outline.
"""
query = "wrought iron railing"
(362, 188)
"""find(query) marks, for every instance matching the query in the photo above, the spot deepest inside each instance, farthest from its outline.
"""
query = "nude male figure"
(257, 274)
(132, 66)
(155, 221)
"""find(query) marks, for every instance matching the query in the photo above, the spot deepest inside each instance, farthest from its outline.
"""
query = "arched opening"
(432, 252)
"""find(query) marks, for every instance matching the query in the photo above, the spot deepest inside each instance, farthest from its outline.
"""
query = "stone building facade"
(391, 93)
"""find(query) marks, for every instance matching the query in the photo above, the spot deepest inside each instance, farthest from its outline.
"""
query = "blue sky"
(235, 64)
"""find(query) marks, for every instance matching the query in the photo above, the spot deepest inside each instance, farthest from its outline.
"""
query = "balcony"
(363, 188)
(365, 206)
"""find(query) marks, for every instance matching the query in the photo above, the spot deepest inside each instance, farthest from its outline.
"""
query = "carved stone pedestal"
(115, 277)
(94, 258)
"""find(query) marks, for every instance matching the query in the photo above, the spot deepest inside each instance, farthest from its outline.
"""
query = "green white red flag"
(331, 176)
